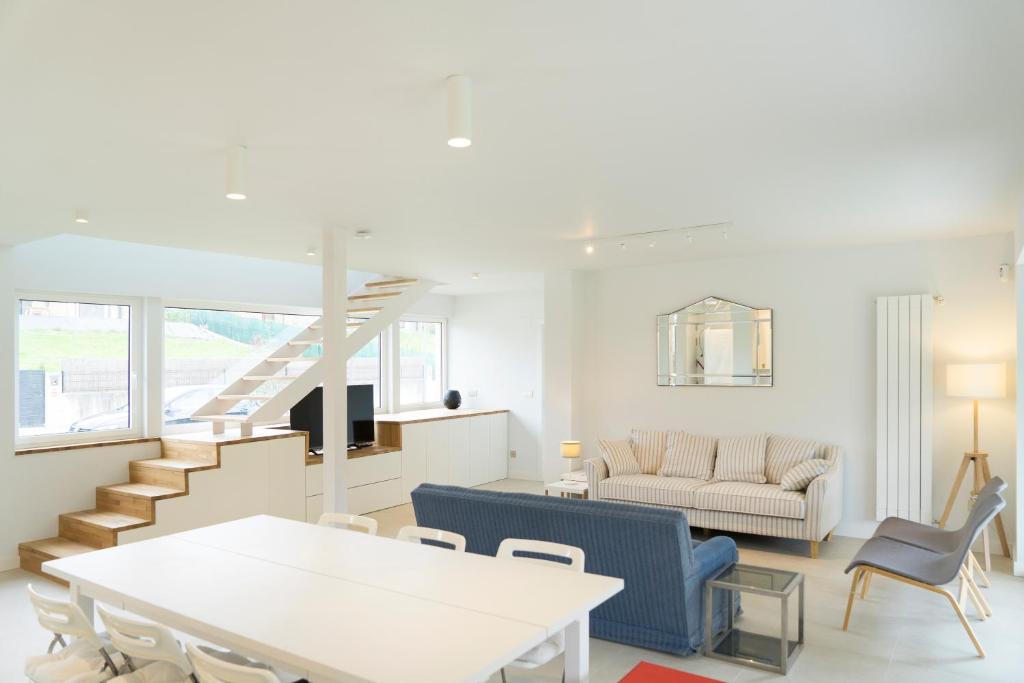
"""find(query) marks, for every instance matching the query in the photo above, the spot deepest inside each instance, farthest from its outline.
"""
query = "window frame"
(396, 362)
(136, 369)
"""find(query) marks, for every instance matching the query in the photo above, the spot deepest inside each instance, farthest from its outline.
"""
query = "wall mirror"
(715, 342)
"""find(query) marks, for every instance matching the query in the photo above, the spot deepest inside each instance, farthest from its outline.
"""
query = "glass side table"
(744, 647)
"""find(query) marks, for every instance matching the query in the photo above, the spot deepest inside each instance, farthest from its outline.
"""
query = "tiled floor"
(898, 634)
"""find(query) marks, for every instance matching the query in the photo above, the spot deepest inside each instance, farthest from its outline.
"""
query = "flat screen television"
(308, 415)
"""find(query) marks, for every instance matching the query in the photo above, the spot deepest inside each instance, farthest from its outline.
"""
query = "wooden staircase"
(275, 384)
(124, 506)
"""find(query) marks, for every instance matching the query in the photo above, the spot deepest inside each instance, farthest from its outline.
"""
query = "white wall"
(495, 351)
(824, 336)
(9, 483)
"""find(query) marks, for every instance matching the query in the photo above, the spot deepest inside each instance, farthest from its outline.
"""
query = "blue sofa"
(662, 606)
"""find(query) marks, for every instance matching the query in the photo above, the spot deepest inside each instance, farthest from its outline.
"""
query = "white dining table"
(337, 605)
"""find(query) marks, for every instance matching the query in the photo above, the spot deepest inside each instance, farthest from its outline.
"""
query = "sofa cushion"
(741, 458)
(783, 452)
(799, 476)
(768, 500)
(689, 455)
(649, 449)
(618, 455)
(650, 488)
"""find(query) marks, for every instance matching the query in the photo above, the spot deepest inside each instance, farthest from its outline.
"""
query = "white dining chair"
(65, 619)
(526, 550)
(343, 519)
(209, 669)
(145, 640)
(418, 534)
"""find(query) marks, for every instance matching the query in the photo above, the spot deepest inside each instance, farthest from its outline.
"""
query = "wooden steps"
(270, 378)
(396, 282)
(97, 528)
(374, 296)
(365, 309)
(124, 506)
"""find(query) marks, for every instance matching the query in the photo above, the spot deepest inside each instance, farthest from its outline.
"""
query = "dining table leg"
(83, 601)
(577, 651)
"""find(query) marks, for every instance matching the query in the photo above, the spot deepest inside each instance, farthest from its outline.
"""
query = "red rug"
(645, 672)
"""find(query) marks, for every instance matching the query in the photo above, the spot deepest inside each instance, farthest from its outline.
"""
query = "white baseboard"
(860, 528)
(522, 474)
(9, 563)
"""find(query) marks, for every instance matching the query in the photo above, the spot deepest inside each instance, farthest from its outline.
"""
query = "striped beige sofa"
(731, 506)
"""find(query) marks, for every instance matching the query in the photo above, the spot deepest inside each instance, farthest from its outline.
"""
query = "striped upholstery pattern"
(767, 500)
(785, 451)
(802, 474)
(650, 488)
(689, 455)
(649, 449)
(618, 455)
(741, 458)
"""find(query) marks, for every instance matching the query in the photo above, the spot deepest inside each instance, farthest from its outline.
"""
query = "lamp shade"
(976, 380)
(571, 449)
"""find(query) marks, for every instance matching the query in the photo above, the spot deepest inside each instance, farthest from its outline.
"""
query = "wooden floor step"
(283, 359)
(270, 378)
(374, 296)
(397, 282)
(32, 554)
(246, 397)
(98, 528)
(134, 498)
(222, 418)
(168, 472)
(365, 309)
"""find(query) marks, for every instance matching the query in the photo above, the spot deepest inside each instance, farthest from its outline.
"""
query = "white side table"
(566, 489)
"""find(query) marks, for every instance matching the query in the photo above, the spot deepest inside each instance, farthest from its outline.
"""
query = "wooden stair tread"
(365, 309)
(105, 519)
(306, 342)
(269, 378)
(245, 397)
(175, 464)
(222, 418)
(373, 296)
(139, 490)
(396, 282)
(56, 547)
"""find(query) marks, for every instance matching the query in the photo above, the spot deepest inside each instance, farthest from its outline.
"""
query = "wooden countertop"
(230, 438)
(313, 459)
(433, 414)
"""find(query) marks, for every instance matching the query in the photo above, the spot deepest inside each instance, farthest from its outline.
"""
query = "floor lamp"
(976, 381)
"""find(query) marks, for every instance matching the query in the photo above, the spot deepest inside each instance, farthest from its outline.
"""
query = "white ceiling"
(804, 123)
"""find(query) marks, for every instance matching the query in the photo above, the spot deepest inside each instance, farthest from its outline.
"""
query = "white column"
(335, 306)
(562, 362)
(11, 501)
(1018, 540)
(153, 367)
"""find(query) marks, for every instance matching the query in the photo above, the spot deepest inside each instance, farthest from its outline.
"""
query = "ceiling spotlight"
(311, 251)
(689, 239)
(725, 234)
(651, 245)
(236, 173)
(622, 246)
(81, 216)
(589, 249)
(460, 113)
(475, 276)
(363, 234)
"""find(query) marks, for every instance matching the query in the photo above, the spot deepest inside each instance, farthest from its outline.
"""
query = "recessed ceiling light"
(689, 239)
(651, 245)
(311, 251)
(460, 112)
(589, 249)
(236, 173)
(475, 276)
(363, 234)
(622, 246)
(725, 234)
(81, 216)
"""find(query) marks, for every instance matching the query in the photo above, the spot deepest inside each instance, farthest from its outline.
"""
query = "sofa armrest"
(825, 501)
(713, 555)
(596, 470)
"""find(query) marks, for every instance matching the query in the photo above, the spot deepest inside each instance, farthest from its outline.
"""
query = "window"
(76, 369)
(205, 350)
(365, 368)
(421, 362)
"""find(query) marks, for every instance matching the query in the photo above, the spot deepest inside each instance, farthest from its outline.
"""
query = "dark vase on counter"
(452, 399)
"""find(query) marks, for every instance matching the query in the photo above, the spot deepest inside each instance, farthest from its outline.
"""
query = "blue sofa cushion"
(650, 548)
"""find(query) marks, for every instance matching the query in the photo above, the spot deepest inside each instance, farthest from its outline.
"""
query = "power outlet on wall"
(512, 453)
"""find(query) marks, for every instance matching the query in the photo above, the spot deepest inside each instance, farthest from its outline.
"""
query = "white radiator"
(903, 453)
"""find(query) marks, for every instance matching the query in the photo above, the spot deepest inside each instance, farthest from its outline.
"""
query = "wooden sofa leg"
(814, 550)
(828, 537)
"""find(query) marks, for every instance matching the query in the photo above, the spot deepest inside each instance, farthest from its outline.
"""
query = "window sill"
(75, 446)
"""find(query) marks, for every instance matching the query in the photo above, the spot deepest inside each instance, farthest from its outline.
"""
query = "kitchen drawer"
(374, 468)
(314, 480)
(371, 497)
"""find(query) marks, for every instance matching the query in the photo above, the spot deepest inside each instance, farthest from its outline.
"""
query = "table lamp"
(975, 381)
(571, 450)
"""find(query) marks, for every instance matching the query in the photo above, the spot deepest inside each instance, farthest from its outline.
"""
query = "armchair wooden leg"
(974, 566)
(864, 588)
(828, 537)
(814, 550)
(857, 573)
(977, 597)
(963, 621)
(967, 585)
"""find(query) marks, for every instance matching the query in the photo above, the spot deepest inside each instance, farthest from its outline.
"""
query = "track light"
(236, 173)
(81, 216)
(622, 246)
(589, 249)
(460, 113)
(363, 234)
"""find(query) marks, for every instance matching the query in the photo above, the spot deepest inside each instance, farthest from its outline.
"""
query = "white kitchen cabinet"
(437, 451)
(414, 458)
(497, 458)
(459, 454)
(479, 449)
